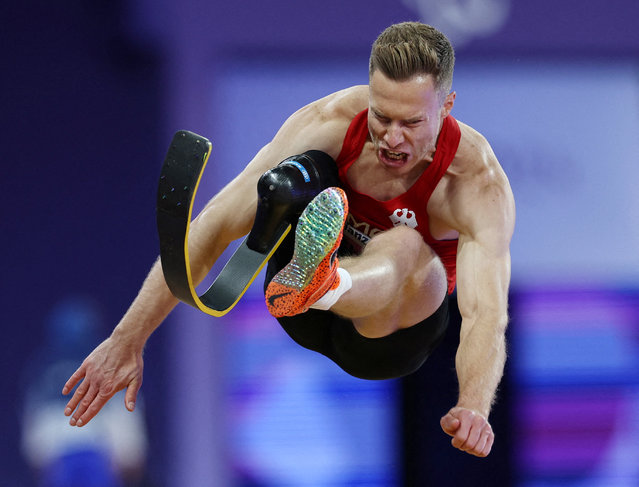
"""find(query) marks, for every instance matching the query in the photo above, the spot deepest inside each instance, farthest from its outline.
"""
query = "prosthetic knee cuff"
(284, 191)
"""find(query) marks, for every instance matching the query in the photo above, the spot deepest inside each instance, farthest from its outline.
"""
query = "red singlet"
(368, 216)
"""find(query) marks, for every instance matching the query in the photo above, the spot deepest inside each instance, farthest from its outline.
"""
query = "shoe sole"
(306, 278)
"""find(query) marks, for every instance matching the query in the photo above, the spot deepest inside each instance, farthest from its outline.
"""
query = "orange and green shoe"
(313, 269)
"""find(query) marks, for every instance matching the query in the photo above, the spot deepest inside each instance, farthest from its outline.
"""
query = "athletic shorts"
(395, 355)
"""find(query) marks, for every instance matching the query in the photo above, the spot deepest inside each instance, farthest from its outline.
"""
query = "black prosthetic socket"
(284, 191)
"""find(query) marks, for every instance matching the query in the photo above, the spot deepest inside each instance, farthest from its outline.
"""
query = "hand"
(470, 430)
(110, 368)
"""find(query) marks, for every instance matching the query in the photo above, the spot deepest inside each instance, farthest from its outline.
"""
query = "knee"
(402, 241)
(406, 248)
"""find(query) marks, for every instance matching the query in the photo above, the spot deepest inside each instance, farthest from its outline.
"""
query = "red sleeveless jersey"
(368, 216)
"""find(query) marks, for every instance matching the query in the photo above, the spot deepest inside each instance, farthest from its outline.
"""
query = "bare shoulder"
(322, 124)
(477, 189)
(345, 103)
(475, 160)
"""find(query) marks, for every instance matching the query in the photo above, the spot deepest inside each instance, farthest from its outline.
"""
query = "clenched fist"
(470, 430)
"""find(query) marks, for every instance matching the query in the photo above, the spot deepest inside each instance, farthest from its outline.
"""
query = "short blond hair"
(411, 48)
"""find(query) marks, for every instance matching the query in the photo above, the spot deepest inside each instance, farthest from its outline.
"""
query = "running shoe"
(313, 269)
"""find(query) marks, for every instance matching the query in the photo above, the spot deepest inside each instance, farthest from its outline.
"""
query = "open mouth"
(392, 157)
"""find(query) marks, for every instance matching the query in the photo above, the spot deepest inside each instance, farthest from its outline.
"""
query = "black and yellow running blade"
(181, 173)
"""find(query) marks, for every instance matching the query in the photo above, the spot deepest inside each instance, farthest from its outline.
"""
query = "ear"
(449, 101)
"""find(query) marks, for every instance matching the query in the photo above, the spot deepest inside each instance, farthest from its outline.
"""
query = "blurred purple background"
(93, 91)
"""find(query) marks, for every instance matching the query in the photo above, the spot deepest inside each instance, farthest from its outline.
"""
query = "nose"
(394, 135)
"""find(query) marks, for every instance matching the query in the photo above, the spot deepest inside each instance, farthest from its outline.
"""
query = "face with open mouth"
(404, 119)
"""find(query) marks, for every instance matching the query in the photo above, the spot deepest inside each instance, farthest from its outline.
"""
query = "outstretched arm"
(117, 363)
(483, 276)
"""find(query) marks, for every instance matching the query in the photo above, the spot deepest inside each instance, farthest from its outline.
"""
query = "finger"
(489, 444)
(475, 432)
(79, 393)
(449, 424)
(462, 433)
(480, 447)
(83, 405)
(77, 376)
(131, 395)
(94, 408)
(484, 444)
(95, 399)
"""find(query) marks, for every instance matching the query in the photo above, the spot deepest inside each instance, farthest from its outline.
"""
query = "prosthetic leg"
(283, 193)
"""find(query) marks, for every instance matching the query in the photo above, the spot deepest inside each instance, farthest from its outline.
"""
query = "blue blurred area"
(111, 451)
(577, 376)
(92, 92)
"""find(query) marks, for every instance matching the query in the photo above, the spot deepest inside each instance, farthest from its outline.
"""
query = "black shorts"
(395, 355)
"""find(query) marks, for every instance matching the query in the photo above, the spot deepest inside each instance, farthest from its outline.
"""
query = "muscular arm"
(483, 278)
(483, 274)
(117, 362)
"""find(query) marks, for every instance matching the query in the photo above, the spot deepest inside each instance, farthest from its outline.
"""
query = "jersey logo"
(359, 233)
(403, 216)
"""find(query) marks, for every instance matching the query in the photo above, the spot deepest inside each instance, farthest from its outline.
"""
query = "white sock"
(332, 295)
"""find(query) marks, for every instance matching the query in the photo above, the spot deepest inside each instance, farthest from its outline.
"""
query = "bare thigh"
(398, 281)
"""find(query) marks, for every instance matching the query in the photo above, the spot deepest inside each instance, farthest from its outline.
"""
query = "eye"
(381, 117)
